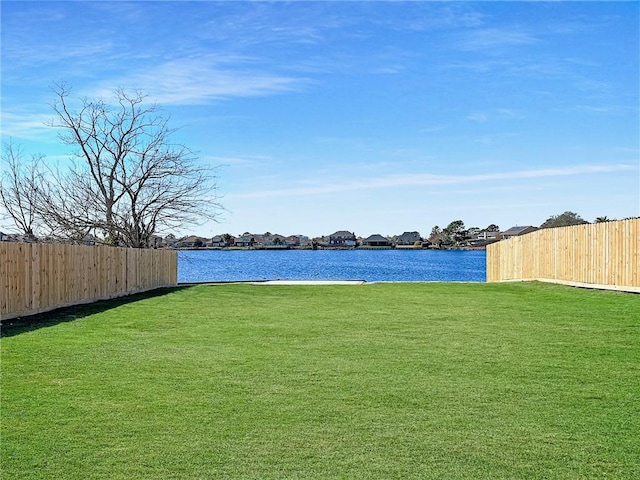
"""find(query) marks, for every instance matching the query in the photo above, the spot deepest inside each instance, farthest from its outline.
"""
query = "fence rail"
(603, 255)
(38, 277)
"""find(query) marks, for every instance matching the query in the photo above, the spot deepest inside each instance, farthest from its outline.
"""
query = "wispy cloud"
(200, 80)
(425, 179)
(26, 126)
(52, 53)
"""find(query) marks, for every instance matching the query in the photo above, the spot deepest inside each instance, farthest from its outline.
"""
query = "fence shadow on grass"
(16, 326)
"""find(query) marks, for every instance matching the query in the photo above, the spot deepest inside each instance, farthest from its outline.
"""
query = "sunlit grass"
(375, 381)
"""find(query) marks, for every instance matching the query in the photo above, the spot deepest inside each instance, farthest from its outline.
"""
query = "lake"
(370, 265)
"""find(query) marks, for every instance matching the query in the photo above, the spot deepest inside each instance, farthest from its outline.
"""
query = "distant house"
(169, 241)
(480, 243)
(292, 241)
(220, 241)
(483, 238)
(192, 241)
(274, 241)
(376, 240)
(208, 243)
(342, 238)
(485, 235)
(245, 241)
(18, 237)
(89, 240)
(517, 231)
(408, 238)
(216, 241)
(155, 241)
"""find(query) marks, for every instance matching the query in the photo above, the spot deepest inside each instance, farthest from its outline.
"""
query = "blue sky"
(374, 117)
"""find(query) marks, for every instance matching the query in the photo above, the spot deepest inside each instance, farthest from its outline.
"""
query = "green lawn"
(474, 381)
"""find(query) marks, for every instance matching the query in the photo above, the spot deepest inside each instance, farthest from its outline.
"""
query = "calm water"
(369, 265)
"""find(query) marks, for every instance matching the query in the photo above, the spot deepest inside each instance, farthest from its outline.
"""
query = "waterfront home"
(155, 241)
(483, 238)
(342, 238)
(273, 240)
(409, 238)
(192, 241)
(376, 240)
(486, 235)
(18, 237)
(221, 241)
(292, 241)
(216, 241)
(245, 241)
(169, 241)
(210, 243)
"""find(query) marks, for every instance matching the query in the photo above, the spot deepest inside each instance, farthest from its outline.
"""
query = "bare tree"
(19, 185)
(128, 179)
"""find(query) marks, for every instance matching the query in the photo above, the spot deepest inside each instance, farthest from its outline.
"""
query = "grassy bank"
(376, 381)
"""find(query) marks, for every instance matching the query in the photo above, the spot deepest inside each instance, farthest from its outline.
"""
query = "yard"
(424, 380)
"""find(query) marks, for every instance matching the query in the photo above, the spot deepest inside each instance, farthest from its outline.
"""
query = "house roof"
(517, 230)
(409, 237)
(481, 242)
(376, 238)
(342, 233)
(193, 238)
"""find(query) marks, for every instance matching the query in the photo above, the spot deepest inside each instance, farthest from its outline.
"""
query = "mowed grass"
(471, 381)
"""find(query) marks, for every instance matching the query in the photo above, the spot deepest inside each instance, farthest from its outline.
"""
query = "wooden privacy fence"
(602, 255)
(38, 277)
